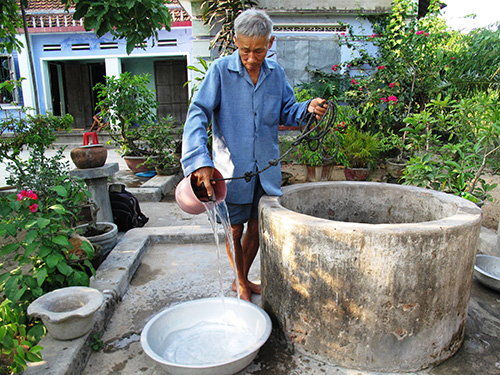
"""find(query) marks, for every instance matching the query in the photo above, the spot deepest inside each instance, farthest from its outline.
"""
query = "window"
(7, 73)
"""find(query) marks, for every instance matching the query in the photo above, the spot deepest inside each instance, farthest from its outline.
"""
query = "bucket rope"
(312, 131)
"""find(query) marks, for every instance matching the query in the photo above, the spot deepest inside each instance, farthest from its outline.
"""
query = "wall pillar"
(113, 66)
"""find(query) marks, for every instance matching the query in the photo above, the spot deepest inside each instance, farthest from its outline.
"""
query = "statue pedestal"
(97, 183)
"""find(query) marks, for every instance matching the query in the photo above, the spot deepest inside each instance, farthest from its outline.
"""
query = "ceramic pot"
(356, 174)
(136, 164)
(318, 173)
(89, 156)
(106, 240)
(395, 167)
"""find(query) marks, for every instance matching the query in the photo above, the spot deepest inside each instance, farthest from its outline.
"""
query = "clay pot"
(356, 174)
(136, 164)
(89, 156)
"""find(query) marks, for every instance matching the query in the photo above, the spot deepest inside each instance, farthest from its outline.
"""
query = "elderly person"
(245, 97)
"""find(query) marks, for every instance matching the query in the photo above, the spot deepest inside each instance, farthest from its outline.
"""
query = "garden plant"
(401, 89)
(36, 225)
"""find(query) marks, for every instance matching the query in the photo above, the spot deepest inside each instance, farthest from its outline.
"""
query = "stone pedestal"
(97, 182)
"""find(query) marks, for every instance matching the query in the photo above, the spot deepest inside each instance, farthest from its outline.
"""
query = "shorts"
(241, 213)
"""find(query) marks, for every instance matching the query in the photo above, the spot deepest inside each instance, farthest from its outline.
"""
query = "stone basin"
(370, 276)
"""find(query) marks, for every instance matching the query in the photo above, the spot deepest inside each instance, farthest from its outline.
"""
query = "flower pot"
(67, 313)
(356, 174)
(107, 239)
(395, 167)
(136, 164)
(318, 173)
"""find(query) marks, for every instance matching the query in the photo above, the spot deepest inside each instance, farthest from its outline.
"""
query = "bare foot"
(246, 295)
(254, 288)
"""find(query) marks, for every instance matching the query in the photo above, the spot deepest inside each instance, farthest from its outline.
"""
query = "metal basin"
(487, 271)
(165, 334)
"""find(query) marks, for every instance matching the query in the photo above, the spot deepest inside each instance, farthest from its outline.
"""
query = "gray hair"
(253, 23)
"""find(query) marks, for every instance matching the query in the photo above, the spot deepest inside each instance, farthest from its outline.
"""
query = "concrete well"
(370, 276)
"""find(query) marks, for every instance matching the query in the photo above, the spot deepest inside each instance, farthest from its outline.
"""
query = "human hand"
(316, 107)
(202, 178)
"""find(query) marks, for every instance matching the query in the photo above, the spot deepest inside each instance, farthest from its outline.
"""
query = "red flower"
(384, 100)
(335, 67)
(419, 32)
(392, 84)
(33, 207)
(381, 67)
(393, 99)
(354, 82)
(28, 194)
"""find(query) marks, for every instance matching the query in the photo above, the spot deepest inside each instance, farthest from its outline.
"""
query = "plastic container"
(191, 198)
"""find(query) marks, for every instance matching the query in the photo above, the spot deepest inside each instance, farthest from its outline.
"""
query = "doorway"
(171, 92)
(71, 84)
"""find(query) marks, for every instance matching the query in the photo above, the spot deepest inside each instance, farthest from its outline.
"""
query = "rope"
(313, 132)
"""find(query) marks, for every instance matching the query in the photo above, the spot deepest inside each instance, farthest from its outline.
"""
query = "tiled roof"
(37, 19)
(45, 5)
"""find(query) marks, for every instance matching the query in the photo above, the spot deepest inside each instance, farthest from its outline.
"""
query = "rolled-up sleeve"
(195, 153)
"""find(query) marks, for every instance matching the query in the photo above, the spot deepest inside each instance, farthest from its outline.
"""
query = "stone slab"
(107, 170)
(165, 183)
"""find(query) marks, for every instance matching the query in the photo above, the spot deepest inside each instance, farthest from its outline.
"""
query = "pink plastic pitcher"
(192, 203)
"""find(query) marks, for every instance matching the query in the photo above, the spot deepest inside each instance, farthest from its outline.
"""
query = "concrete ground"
(174, 259)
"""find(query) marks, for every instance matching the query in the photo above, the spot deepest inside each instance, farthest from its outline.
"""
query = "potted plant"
(102, 235)
(164, 141)
(392, 146)
(321, 156)
(128, 103)
(361, 150)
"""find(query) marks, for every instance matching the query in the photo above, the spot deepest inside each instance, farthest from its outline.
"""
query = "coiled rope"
(312, 131)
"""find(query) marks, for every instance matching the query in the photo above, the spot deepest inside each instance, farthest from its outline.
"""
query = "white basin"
(206, 336)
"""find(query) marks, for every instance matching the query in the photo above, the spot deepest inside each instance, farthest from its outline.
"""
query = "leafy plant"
(224, 13)
(128, 103)
(29, 132)
(133, 20)
(360, 148)
(38, 258)
(455, 142)
(201, 73)
(35, 230)
(96, 343)
(18, 337)
(163, 139)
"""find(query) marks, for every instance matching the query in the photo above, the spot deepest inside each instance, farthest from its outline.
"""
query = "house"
(69, 61)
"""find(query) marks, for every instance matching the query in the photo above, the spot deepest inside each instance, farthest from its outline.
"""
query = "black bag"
(126, 211)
